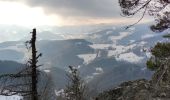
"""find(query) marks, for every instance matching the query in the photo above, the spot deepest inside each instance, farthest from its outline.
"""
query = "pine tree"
(160, 53)
(75, 90)
(159, 9)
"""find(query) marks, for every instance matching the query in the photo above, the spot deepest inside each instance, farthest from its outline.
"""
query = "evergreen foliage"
(159, 53)
(75, 90)
(159, 9)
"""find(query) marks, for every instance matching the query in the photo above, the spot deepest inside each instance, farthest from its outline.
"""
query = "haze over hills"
(84, 49)
(103, 54)
(17, 33)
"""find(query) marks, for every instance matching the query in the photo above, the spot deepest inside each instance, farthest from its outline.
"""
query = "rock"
(158, 88)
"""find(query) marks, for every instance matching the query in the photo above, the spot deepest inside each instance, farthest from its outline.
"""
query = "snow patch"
(87, 57)
(121, 35)
(100, 46)
(14, 97)
(132, 28)
(60, 92)
(113, 49)
(99, 71)
(73, 36)
(132, 41)
(47, 71)
(89, 78)
(129, 57)
(119, 49)
(142, 43)
(148, 54)
(147, 36)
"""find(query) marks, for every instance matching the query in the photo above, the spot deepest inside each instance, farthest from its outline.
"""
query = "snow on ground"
(120, 52)
(73, 36)
(47, 71)
(95, 36)
(100, 46)
(99, 70)
(87, 57)
(132, 28)
(147, 36)
(14, 97)
(131, 41)
(120, 36)
(142, 43)
(60, 92)
(119, 49)
(129, 57)
(148, 54)
(113, 49)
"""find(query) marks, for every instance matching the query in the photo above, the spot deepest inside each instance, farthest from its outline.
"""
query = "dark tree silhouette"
(23, 83)
(159, 9)
(160, 53)
(76, 89)
(33, 63)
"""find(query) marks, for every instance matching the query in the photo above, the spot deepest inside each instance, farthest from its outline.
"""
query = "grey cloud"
(85, 8)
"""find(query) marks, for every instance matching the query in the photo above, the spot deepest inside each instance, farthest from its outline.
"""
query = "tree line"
(25, 82)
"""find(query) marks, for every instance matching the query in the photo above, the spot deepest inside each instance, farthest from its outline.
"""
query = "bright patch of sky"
(61, 12)
(14, 13)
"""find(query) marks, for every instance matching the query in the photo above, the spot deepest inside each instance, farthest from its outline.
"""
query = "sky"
(61, 12)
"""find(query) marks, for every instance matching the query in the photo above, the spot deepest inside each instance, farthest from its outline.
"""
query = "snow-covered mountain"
(105, 56)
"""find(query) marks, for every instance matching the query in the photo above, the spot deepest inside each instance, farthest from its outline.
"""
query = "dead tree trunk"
(34, 66)
(24, 82)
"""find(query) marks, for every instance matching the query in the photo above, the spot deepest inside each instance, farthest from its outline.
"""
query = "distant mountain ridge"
(8, 67)
(108, 55)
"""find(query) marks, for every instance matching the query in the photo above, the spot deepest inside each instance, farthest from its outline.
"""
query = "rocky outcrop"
(158, 88)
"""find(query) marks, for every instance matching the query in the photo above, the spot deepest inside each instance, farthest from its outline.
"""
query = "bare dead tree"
(33, 62)
(23, 83)
(14, 84)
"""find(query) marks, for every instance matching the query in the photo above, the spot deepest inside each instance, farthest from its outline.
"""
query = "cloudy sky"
(60, 12)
